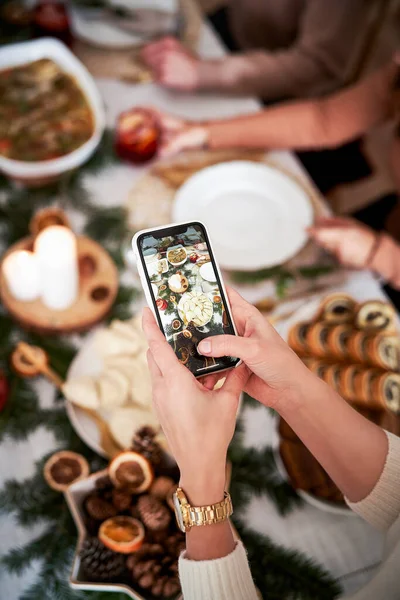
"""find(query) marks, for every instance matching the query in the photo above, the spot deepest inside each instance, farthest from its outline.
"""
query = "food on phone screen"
(189, 297)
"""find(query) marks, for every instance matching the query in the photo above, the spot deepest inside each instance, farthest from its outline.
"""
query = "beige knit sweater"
(229, 578)
(298, 48)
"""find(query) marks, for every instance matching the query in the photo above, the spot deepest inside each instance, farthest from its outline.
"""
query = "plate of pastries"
(109, 377)
(355, 348)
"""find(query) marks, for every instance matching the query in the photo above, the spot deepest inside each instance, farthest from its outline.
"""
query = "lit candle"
(21, 272)
(55, 248)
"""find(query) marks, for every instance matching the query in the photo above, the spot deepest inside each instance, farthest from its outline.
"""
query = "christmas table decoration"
(64, 468)
(129, 539)
(66, 303)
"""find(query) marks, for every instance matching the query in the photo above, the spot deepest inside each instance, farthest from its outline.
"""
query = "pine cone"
(144, 443)
(104, 487)
(104, 483)
(154, 514)
(171, 587)
(98, 508)
(161, 486)
(154, 570)
(175, 544)
(121, 500)
(100, 563)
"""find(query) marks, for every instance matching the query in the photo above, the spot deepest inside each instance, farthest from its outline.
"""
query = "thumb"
(227, 345)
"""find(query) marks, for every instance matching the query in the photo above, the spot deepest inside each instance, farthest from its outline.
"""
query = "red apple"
(138, 135)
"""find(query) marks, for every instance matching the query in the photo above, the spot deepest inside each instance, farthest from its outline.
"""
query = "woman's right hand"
(278, 377)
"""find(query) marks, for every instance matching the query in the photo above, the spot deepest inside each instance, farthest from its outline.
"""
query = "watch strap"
(211, 514)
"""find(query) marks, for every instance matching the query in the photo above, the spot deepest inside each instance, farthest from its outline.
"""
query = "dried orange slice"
(122, 534)
(132, 471)
(64, 468)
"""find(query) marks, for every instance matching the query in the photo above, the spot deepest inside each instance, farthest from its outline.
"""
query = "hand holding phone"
(184, 288)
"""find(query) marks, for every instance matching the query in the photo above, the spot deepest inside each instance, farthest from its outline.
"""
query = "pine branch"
(257, 276)
(250, 402)
(18, 559)
(22, 413)
(254, 473)
(123, 305)
(75, 195)
(108, 225)
(283, 283)
(59, 349)
(314, 271)
(283, 574)
(104, 155)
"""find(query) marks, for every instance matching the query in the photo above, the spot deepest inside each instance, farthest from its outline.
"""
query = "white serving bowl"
(35, 173)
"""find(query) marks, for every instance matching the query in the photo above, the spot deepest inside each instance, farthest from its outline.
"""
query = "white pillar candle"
(56, 251)
(21, 272)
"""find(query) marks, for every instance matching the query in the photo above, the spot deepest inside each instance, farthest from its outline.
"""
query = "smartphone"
(184, 288)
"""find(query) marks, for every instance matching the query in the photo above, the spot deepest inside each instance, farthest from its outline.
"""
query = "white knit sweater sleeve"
(227, 578)
(381, 507)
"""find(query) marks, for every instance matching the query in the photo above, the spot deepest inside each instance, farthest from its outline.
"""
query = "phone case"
(145, 284)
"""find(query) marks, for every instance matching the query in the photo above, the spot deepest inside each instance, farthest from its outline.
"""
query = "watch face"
(178, 513)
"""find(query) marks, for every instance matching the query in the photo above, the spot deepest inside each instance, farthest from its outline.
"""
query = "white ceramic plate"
(90, 27)
(256, 214)
(207, 272)
(86, 362)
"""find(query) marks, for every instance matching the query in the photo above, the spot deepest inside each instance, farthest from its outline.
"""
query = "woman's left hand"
(198, 423)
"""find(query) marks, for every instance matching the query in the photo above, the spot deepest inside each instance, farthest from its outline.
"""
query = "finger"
(179, 142)
(242, 311)
(168, 122)
(171, 123)
(236, 380)
(332, 222)
(153, 47)
(162, 352)
(155, 372)
(209, 381)
(227, 345)
(330, 238)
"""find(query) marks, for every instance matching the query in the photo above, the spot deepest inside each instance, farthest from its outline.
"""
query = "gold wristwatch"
(188, 516)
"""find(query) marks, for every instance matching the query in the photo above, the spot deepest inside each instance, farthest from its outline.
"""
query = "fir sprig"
(22, 413)
(280, 573)
(254, 473)
(122, 307)
(108, 224)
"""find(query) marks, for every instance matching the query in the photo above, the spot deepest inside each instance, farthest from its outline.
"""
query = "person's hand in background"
(178, 135)
(172, 65)
(198, 423)
(278, 377)
(351, 242)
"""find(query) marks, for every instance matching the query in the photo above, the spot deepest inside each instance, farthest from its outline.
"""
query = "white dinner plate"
(86, 362)
(207, 272)
(91, 27)
(256, 215)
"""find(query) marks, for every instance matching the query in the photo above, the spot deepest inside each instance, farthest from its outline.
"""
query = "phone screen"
(187, 293)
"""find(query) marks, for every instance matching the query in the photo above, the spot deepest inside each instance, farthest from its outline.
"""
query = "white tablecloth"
(345, 545)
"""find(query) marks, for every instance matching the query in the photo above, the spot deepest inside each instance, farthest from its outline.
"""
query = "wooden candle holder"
(98, 286)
